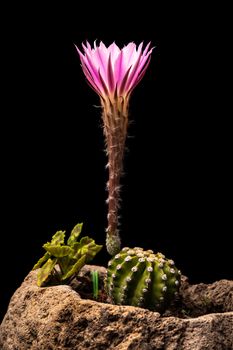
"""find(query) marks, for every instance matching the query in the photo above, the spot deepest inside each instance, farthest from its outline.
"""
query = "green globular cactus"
(142, 278)
(62, 262)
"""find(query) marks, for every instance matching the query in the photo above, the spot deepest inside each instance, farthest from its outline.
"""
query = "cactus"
(142, 278)
(62, 262)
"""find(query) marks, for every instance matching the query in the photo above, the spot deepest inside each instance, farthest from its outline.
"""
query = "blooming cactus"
(113, 73)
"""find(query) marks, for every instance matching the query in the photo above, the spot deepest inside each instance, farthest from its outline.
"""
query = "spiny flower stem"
(115, 120)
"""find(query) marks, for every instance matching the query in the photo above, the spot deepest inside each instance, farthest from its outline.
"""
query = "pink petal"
(114, 51)
(111, 82)
(137, 69)
(140, 76)
(91, 65)
(88, 74)
(144, 59)
(103, 83)
(90, 80)
(103, 63)
(143, 71)
(133, 78)
(93, 71)
(84, 47)
(79, 52)
(88, 45)
(87, 49)
(104, 51)
(124, 82)
(118, 69)
(146, 48)
(133, 72)
(103, 47)
(133, 58)
(127, 54)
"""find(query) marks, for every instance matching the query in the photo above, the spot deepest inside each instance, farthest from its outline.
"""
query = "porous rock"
(57, 318)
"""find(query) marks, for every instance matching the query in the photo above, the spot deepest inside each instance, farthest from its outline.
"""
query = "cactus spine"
(141, 278)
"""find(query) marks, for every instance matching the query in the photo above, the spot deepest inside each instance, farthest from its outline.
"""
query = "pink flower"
(112, 71)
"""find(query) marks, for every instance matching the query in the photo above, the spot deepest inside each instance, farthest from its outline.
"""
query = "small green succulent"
(62, 262)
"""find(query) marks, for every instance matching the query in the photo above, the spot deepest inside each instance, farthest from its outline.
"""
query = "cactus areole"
(113, 73)
(141, 278)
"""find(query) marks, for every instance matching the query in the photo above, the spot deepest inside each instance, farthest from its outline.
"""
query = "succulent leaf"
(74, 234)
(45, 271)
(41, 261)
(57, 250)
(74, 268)
(58, 238)
(89, 248)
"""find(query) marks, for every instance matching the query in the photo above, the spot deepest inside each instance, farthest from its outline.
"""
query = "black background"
(177, 188)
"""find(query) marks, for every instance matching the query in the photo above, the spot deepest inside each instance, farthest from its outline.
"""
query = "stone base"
(56, 318)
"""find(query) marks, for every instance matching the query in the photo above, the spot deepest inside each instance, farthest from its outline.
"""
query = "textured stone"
(56, 318)
(200, 299)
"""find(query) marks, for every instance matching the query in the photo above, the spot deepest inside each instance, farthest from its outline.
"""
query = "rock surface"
(56, 318)
(201, 299)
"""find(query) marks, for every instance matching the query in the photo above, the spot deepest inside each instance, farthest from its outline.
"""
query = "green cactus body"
(142, 278)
